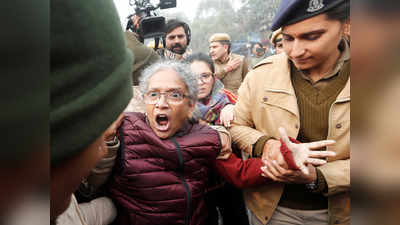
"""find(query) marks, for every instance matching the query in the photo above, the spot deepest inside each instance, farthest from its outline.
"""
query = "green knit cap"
(90, 74)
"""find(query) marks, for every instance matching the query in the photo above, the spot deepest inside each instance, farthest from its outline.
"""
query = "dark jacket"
(144, 56)
(160, 181)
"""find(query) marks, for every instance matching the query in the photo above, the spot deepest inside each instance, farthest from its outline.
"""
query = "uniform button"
(266, 218)
(338, 126)
(296, 126)
(265, 99)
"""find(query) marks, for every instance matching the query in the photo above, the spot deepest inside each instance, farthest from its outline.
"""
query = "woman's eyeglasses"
(172, 97)
(204, 77)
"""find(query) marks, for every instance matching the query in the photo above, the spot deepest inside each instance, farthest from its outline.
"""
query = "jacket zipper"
(182, 177)
(122, 149)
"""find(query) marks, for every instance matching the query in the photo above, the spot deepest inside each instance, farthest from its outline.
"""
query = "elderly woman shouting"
(161, 169)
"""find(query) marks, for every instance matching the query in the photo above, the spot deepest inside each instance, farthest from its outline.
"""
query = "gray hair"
(182, 69)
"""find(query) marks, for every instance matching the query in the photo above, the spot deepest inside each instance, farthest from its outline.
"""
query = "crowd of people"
(173, 136)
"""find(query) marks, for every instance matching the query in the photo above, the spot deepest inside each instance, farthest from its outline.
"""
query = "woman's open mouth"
(162, 122)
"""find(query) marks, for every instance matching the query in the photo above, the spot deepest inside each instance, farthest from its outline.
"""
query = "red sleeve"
(231, 96)
(241, 173)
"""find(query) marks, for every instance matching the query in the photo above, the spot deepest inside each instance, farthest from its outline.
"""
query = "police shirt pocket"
(281, 100)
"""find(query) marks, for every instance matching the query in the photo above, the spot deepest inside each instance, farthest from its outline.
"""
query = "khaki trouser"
(286, 216)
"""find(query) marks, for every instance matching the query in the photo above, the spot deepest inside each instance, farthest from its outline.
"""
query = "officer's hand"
(226, 115)
(234, 64)
(272, 151)
(303, 153)
(111, 131)
(272, 170)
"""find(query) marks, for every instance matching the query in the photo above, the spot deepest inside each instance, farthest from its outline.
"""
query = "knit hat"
(90, 74)
(224, 37)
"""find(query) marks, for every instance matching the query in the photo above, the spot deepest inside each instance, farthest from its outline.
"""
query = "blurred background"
(246, 21)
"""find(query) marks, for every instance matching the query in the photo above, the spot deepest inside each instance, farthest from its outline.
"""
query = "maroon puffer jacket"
(162, 181)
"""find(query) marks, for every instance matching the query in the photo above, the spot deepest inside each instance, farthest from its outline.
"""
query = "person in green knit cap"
(90, 87)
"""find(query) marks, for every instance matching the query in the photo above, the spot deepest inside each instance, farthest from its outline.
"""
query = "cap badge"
(315, 5)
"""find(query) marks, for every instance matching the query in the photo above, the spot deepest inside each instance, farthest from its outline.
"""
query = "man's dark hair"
(340, 12)
(201, 57)
(226, 43)
(174, 23)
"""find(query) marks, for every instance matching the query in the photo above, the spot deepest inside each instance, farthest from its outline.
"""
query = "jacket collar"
(281, 81)
(344, 95)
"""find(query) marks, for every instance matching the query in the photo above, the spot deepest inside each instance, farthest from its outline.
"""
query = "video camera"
(150, 25)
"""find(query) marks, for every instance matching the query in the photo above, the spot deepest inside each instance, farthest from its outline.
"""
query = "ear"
(226, 47)
(346, 28)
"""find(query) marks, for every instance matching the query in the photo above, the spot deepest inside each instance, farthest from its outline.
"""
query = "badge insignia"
(315, 5)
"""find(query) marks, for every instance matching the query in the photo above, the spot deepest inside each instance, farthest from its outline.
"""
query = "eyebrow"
(175, 35)
(320, 31)
(168, 90)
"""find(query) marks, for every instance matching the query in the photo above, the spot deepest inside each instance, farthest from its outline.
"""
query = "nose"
(297, 49)
(175, 40)
(162, 102)
(199, 81)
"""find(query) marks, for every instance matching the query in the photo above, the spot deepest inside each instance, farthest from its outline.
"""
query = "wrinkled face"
(217, 50)
(312, 43)
(205, 78)
(168, 114)
(176, 40)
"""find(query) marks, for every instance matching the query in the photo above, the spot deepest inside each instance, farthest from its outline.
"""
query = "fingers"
(319, 144)
(303, 168)
(321, 154)
(226, 120)
(284, 136)
(266, 173)
(316, 162)
(272, 170)
(236, 63)
(227, 115)
(227, 123)
(120, 119)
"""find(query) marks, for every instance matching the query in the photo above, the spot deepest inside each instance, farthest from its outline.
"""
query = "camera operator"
(176, 41)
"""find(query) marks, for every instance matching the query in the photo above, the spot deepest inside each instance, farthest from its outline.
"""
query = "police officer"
(230, 68)
(307, 92)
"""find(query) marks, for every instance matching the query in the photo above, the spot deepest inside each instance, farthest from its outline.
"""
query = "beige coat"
(267, 101)
(232, 79)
